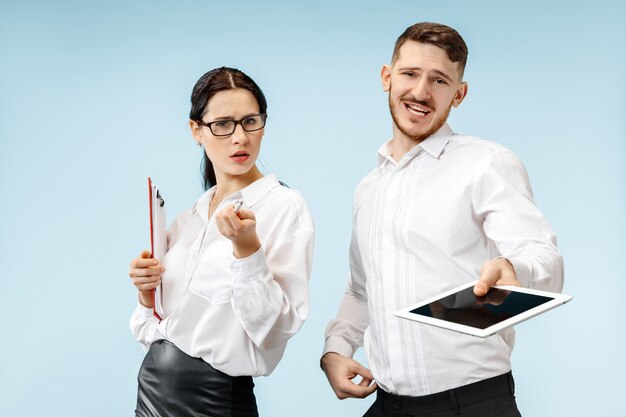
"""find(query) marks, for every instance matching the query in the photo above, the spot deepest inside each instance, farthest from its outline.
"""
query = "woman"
(234, 285)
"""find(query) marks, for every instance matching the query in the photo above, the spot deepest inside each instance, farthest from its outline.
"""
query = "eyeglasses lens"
(249, 124)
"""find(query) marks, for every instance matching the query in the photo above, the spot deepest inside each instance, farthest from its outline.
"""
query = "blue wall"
(94, 98)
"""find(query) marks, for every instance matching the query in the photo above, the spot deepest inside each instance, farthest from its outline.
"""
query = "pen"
(237, 206)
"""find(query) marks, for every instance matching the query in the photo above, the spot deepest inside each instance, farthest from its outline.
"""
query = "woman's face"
(234, 154)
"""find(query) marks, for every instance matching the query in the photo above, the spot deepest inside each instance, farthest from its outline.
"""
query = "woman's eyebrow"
(232, 118)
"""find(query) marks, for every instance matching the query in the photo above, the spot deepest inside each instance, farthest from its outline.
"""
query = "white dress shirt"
(236, 314)
(424, 225)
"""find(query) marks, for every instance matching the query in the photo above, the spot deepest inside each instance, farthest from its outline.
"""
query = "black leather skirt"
(172, 383)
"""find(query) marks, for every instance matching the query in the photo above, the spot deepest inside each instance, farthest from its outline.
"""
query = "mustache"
(412, 100)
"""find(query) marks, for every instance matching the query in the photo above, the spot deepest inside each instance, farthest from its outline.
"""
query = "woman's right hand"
(145, 273)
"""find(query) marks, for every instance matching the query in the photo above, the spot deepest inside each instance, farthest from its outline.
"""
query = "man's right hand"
(341, 370)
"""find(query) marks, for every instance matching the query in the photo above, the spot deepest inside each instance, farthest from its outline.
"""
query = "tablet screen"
(468, 309)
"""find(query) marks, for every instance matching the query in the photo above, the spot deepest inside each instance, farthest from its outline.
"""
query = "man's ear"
(460, 94)
(385, 77)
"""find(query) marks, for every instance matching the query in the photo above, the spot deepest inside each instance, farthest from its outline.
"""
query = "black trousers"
(172, 383)
(493, 397)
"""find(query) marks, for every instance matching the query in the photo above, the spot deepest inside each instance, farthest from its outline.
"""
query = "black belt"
(451, 399)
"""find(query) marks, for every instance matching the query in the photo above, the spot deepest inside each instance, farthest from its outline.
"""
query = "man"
(440, 210)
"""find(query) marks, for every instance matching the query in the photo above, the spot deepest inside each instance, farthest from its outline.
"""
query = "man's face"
(423, 84)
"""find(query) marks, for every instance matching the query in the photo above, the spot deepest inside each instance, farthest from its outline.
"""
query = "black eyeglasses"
(227, 127)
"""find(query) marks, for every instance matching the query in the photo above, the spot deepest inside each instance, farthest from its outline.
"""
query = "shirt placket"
(376, 287)
(194, 259)
(390, 270)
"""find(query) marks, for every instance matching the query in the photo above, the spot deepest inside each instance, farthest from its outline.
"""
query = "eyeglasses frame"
(237, 122)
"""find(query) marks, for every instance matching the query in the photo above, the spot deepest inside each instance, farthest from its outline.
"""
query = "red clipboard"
(157, 238)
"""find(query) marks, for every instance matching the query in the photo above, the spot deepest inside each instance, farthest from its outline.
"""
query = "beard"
(416, 136)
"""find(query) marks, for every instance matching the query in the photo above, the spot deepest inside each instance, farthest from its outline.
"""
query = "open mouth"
(240, 156)
(416, 109)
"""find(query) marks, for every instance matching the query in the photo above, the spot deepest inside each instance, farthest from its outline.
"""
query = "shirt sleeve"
(344, 334)
(270, 294)
(145, 327)
(503, 199)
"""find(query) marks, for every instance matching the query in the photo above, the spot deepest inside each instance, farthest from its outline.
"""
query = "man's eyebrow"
(436, 72)
(409, 69)
(443, 75)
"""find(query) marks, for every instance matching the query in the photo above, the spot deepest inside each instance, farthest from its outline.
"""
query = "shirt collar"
(250, 194)
(433, 145)
(257, 190)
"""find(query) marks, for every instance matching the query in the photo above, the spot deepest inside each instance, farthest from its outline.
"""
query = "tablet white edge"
(557, 300)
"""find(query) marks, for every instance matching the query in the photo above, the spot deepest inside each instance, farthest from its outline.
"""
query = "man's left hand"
(498, 271)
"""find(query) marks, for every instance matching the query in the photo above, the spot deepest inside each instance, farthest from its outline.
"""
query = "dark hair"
(211, 83)
(436, 34)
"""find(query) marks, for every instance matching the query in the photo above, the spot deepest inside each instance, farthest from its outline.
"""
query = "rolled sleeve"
(270, 291)
(338, 345)
(248, 268)
(145, 327)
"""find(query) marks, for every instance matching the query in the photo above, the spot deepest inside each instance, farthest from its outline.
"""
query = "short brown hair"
(436, 34)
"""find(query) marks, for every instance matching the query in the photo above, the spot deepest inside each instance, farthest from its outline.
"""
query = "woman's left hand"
(240, 228)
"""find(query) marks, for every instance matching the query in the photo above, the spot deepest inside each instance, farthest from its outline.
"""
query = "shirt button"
(397, 406)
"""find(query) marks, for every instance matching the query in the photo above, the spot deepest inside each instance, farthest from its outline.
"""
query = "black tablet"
(462, 311)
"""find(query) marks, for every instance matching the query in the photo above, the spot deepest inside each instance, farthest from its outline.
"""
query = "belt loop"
(511, 383)
(454, 401)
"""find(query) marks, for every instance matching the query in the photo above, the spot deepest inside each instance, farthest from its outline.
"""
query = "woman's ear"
(195, 131)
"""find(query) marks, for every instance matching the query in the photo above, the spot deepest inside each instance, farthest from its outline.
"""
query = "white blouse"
(236, 314)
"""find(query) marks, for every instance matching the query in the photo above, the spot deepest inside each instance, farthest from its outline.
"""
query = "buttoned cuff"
(245, 269)
(143, 311)
(522, 271)
(338, 345)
